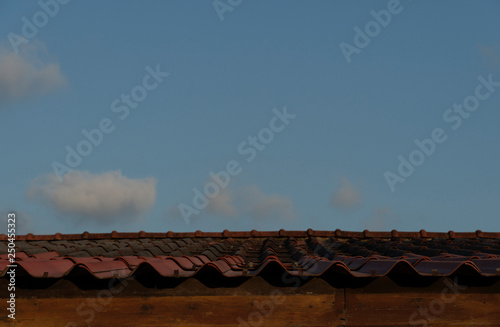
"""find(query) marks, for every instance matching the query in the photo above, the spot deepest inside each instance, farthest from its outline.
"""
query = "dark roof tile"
(156, 251)
(145, 253)
(125, 250)
(81, 254)
(172, 245)
(96, 251)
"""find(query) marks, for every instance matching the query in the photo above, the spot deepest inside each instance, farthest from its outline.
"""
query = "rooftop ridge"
(365, 234)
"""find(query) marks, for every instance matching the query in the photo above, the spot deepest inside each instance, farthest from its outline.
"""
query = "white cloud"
(346, 197)
(28, 73)
(102, 198)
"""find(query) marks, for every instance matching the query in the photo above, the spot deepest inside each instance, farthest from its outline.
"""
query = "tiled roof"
(251, 253)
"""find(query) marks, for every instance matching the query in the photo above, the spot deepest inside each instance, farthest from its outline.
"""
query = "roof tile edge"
(366, 234)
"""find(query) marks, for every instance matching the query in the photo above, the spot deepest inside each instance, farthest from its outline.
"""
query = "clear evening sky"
(240, 115)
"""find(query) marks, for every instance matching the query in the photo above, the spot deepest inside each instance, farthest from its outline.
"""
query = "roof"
(324, 254)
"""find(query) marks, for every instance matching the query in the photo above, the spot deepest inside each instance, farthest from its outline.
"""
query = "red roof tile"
(46, 268)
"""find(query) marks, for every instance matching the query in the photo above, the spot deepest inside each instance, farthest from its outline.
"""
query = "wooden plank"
(189, 311)
(422, 309)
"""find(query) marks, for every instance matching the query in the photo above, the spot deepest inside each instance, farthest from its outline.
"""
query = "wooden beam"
(421, 309)
(187, 311)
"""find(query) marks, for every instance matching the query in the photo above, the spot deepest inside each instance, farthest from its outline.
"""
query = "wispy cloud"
(346, 197)
(260, 206)
(223, 204)
(28, 73)
(102, 198)
(248, 203)
(382, 219)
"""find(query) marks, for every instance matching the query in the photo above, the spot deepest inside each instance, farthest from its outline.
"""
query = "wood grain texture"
(194, 311)
(421, 309)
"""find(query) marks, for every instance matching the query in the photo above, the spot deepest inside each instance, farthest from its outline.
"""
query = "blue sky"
(233, 71)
